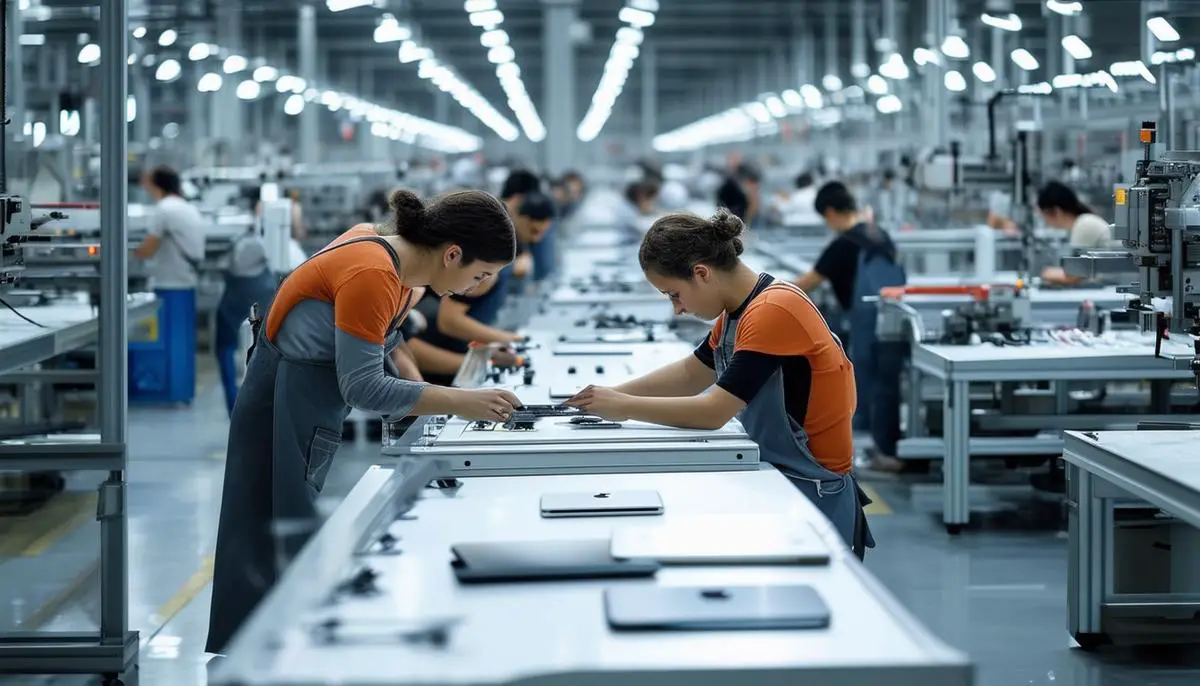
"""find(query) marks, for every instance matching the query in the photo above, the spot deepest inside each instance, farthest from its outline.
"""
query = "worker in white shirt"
(1061, 208)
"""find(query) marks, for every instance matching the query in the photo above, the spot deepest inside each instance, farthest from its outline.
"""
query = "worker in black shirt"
(839, 265)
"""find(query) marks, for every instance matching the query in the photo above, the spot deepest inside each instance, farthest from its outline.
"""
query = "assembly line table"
(65, 326)
(555, 633)
(957, 366)
(1110, 468)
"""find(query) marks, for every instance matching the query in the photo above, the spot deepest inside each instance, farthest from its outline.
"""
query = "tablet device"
(714, 608)
(602, 504)
(543, 561)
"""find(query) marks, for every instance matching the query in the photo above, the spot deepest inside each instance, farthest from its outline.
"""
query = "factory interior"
(288, 288)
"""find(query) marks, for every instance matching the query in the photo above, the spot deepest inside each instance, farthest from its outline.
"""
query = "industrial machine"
(1158, 221)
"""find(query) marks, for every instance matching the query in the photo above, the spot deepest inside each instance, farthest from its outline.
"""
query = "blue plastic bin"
(162, 368)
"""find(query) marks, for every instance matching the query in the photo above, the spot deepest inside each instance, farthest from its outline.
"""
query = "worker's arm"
(434, 360)
(1057, 276)
(148, 247)
(710, 410)
(687, 376)
(809, 281)
(454, 320)
(299, 230)
(523, 265)
(406, 364)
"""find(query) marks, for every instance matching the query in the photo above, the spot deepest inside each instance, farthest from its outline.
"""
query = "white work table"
(957, 366)
(556, 633)
(1107, 469)
(66, 325)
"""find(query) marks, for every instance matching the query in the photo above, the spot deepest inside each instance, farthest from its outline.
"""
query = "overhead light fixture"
(1066, 9)
(955, 48)
(1180, 55)
(1162, 29)
(1024, 59)
(1132, 68)
(411, 52)
(266, 73)
(889, 104)
(488, 20)
(494, 38)
(168, 70)
(954, 81)
(199, 51)
(130, 108)
(1076, 48)
(389, 30)
(984, 72)
(893, 67)
(792, 99)
(775, 106)
(501, 54)
(1041, 88)
(132, 59)
(484, 14)
(234, 64)
(832, 83)
(167, 38)
(248, 90)
(1004, 22)
(473, 6)
(343, 5)
(210, 83)
(924, 56)
(813, 99)
(288, 83)
(638, 15)
(89, 54)
(139, 32)
(32, 39)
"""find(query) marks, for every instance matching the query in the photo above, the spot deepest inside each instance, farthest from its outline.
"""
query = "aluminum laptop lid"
(602, 503)
(709, 608)
(728, 540)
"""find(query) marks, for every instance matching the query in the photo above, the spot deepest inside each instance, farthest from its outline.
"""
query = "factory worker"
(1061, 208)
(249, 283)
(519, 183)
(770, 360)
(319, 352)
(457, 320)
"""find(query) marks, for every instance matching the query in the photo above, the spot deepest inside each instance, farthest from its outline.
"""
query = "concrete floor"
(997, 592)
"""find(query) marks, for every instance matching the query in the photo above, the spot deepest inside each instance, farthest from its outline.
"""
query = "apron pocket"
(324, 446)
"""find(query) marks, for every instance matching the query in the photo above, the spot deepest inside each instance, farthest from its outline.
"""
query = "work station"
(566, 343)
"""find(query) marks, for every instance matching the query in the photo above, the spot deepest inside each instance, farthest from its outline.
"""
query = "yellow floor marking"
(81, 584)
(878, 506)
(186, 594)
(34, 533)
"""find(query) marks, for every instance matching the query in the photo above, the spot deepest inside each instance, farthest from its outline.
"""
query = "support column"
(310, 134)
(649, 58)
(229, 124)
(140, 89)
(113, 394)
(16, 73)
(558, 84)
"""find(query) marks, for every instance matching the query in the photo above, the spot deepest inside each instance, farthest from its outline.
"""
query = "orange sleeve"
(366, 303)
(770, 328)
(714, 335)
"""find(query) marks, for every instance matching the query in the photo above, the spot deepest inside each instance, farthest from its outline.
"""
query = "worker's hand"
(487, 404)
(503, 357)
(522, 266)
(515, 338)
(602, 402)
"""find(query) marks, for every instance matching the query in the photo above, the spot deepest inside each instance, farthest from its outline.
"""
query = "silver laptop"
(741, 541)
(715, 608)
(602, 504)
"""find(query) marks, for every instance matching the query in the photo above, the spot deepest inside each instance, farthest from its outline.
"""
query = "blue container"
(162, 363)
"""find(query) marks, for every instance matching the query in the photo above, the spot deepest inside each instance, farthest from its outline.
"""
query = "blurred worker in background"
(320, 351)
(299, 232)
(859, 262)
(521, 182)
(458, 320)
(798, 210)
(249, 283)
(771, 361)
(575, 188)
(174, 250)
(1061, 208)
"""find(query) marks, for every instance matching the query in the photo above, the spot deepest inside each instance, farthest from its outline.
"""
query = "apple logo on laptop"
(602, 495)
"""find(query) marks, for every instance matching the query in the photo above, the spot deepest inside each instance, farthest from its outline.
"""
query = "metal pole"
(113, 393)
(310, 133)
(3, 103)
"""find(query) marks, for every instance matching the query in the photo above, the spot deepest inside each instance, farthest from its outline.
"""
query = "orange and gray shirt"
(782, 349)
(344, 306)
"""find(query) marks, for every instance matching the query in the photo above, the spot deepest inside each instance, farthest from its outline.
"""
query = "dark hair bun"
(728, 228)
(407, 208)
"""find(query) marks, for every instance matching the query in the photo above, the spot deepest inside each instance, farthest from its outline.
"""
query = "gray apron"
(285, 430)
(783, 443)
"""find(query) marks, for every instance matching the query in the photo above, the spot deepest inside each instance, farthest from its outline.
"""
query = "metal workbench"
(115, 647)
(554, 633)
(957, 366)
(1132, 574)
(64, 327)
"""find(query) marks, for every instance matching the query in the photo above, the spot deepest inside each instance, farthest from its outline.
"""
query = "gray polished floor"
(997, 592)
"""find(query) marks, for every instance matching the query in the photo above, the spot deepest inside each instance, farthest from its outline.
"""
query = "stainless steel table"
(65, 326)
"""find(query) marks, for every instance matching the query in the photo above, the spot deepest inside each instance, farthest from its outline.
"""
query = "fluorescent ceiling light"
(893, 67)
(266, 73)
(234, 63)
(775, 106)
(984, 72)
(1064, 8)
(199, 51)
(1042, 88)
(1004, 22)
(169, 70)
(89, 54)
(167, 38)
(139, 32)
(343, 5)
(889, 104)
(1180, 55)
(294, 105)
(1024, 59)
(487, 20)
(792, 99)
(391, 31)
(831, 83)
(1162, 29)
(1076, 48)
(954, 81)
(501, 54)
(32, 39)
(411, 52)
(924, 56)
(472, 6)
(1132, 68)
(877, 84)
(494, 38)
(210, 83)
(955, 48)
(248, 90)
(130, 108)
(644, 5)
(635, 17)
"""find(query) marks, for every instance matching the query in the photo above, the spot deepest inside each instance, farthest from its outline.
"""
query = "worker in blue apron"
(321, 350)
(770, 360)
(249, 283)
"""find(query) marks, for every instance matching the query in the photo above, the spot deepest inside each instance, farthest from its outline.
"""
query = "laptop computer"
(698, 543)
(542, 561)
(705, 608)
(602, 504)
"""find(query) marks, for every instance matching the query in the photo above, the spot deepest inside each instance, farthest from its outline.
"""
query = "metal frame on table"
(1099, 479)
(956, 402)
(114, 649)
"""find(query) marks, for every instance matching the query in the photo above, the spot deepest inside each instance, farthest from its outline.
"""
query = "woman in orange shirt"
(322, 351)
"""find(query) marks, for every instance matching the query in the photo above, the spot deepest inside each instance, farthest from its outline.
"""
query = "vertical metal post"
(558, 85)
(831, 40)
(113, 392)
(858, 39)
(310, 117)
(16, 71)
(649, 57)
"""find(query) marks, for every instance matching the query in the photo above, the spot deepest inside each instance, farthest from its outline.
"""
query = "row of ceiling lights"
(637, 15)
(746, 121)
(486, 16)
(385, 122)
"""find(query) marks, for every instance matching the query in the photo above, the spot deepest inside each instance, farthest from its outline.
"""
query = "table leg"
(956, 464)
(1086, 563)
(916, 426)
